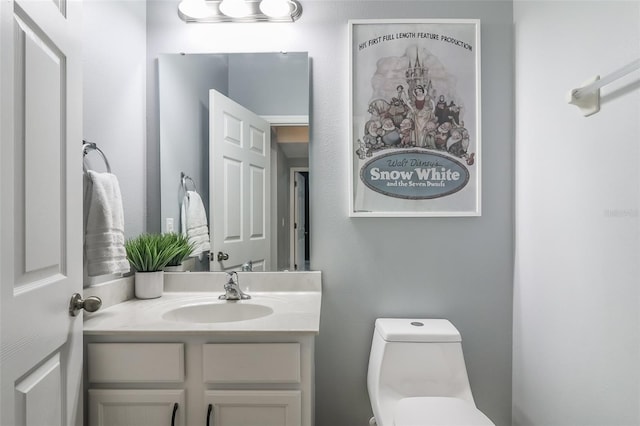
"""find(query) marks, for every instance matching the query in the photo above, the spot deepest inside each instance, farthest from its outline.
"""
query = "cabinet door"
(119, 407)
(253, 408)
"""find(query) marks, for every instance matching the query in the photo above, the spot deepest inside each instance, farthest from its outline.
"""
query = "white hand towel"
(193, 220)
(104, 225)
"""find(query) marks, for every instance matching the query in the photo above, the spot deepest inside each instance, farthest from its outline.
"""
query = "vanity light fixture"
(276, 8)
(239, 10)
(235, 8)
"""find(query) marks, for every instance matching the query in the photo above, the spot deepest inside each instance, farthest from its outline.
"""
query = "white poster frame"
(391, 142)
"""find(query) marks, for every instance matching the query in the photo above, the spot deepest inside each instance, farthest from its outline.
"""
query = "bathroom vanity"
(189, 358)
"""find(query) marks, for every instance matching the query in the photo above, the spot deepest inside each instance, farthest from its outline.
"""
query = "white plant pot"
(185, 266)
(177, 268)
(149, 285)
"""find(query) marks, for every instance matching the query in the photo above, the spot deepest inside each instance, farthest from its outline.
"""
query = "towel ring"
(184, 178)
(88, 146)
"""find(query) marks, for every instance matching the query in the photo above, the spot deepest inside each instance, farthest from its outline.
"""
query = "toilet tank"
(415, 357)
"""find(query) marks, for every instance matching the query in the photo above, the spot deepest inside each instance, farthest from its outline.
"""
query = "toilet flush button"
(417, 324)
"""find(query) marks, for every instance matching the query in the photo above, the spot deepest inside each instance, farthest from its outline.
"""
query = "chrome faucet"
(232, 289)
(247, 266)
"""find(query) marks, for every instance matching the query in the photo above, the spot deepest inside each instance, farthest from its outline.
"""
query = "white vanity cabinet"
(264, 408)
(112, 368)
(191, 359)
(136, 407)
(198, 379)
(267, 364)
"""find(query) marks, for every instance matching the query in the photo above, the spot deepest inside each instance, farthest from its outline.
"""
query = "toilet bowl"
(417, 375)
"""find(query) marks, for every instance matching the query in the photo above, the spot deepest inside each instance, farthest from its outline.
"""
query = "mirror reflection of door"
(239, 186)
(300, 223)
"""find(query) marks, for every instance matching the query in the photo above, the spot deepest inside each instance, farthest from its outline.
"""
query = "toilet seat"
(438, 411)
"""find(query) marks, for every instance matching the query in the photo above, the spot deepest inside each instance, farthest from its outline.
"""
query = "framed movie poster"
(414, 117)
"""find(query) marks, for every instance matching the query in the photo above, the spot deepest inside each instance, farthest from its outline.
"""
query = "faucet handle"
(232, 278)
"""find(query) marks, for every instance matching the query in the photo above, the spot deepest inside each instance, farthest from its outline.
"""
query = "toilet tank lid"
(417, 330)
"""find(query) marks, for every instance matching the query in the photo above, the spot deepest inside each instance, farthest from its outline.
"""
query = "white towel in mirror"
(193, 220)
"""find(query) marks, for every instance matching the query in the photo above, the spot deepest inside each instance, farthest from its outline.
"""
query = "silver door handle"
(90, 304)
(222, 256)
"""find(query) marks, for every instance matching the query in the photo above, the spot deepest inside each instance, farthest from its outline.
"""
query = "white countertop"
(295, 310)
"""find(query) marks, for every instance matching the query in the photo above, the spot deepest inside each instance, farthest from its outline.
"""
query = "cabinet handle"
(173, 415)
(209, 411)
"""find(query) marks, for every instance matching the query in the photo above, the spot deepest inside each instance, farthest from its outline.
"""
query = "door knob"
(222, 256)
(90, 304)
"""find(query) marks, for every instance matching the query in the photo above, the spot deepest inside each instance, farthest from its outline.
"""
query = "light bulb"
(276, 8)
(235, 8)
(196, 9)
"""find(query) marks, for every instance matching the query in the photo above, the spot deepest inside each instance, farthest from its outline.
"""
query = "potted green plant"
(148, 254)
(185, 248)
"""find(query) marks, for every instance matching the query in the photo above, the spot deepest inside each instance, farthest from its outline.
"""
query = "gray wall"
(576, 306)
(270, 84)
(114, 97)
(457, 268)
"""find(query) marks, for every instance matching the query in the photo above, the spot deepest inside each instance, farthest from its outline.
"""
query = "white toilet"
(417, 375)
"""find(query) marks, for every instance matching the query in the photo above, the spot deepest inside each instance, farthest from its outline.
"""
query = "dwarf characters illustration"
(416, 116)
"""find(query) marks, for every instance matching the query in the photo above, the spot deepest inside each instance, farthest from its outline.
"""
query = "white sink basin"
(218, 312)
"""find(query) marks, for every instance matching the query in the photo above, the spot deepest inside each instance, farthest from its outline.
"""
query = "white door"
(300, 223)
(40, 212)
(239, 186)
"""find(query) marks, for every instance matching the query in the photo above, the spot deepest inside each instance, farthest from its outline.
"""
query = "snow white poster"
(415, 117)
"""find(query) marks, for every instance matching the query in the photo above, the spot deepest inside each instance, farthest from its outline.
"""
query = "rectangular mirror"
(273, 87)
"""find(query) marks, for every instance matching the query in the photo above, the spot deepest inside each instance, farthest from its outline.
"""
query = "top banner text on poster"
(413, 35)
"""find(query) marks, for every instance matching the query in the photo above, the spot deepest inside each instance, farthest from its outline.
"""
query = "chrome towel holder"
(184, 178)
(89, 146)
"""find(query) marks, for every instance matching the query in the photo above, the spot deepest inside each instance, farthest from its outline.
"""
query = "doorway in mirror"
(299, 225)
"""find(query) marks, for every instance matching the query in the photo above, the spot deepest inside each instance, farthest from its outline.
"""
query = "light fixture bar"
(209, 11)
